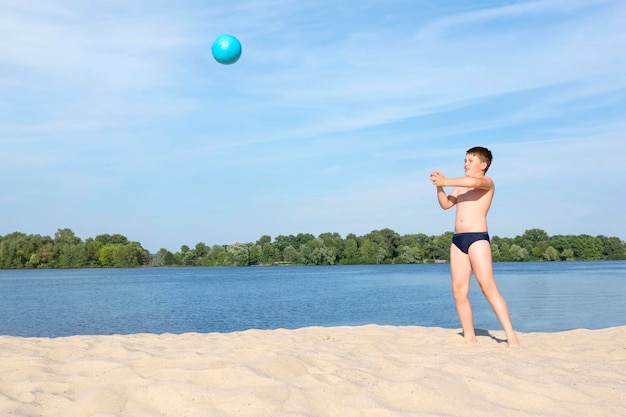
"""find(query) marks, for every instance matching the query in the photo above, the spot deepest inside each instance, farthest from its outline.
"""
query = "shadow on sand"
(481, 332)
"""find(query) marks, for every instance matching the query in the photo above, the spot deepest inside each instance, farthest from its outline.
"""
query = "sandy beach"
(338, 371)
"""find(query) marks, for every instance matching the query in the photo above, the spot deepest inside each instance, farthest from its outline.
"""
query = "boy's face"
(473, 165)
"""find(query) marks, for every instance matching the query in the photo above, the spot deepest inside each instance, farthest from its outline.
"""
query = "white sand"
(340, 371)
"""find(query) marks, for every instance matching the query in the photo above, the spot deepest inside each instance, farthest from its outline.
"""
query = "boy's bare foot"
(512, 341)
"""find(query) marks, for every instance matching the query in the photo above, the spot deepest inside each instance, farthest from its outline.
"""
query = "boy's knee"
(460, 294)
(490, 292)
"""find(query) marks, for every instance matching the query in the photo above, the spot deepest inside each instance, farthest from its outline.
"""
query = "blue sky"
(115, 118)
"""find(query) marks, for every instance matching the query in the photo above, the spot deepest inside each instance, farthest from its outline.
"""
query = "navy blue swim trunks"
(464, 240)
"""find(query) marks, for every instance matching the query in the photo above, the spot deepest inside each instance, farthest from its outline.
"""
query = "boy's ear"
(483, 165)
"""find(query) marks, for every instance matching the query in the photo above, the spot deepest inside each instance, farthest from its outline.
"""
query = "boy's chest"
(470, 194)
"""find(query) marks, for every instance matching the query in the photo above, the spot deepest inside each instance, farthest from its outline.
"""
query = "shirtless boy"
(471, 249)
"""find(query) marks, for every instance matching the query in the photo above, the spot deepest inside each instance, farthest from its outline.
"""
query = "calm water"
(542, 297)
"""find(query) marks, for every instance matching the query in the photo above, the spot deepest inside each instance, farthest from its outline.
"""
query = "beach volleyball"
(226, 49)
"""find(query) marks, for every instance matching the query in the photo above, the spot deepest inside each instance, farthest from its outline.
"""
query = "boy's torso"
(472, 206)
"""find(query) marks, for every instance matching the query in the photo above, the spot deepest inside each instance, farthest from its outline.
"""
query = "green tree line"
(66, 250)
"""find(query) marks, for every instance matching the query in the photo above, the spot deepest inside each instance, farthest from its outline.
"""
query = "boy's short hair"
(483, 154)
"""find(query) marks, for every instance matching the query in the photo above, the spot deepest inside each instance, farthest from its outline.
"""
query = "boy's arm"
(446, 201)
(481, 183)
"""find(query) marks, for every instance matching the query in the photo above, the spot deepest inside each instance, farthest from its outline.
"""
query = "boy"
(471, 248)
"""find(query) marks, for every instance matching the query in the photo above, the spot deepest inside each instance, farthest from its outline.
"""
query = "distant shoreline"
(385, 246)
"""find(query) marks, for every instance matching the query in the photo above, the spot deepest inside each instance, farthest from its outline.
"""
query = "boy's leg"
(461, 271)
(481, 263)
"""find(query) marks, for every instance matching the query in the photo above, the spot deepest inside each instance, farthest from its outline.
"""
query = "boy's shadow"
(481, 332)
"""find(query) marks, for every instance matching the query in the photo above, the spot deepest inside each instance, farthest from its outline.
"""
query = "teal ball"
(226, 49)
